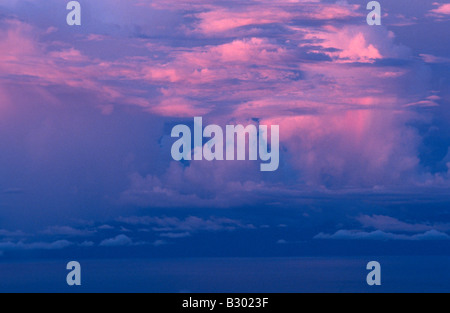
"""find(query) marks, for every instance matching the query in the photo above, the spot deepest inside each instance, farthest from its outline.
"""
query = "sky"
(86, 114)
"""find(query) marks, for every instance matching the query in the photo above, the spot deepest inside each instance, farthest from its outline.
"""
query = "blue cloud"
(119, 240)
(380, 235)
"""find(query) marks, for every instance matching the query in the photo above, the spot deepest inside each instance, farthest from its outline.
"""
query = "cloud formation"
(57, 245)
(380, 235)
(387, 223)
(189, 224)
(85, 115)
(442, 9)
(119, 240)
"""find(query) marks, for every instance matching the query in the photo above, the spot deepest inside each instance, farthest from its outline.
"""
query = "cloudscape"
(86, 115)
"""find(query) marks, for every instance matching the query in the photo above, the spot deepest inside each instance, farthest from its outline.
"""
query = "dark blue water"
(287, 275)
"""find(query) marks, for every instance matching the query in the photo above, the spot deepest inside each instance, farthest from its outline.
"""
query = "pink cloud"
(442, 9)
(221, 19)
(253, 50)
(71, 55)
(25, 53)
(429, 58)
(16, 41)
(178, 107)
(351, 44)
(338, 145)
(337, 117)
